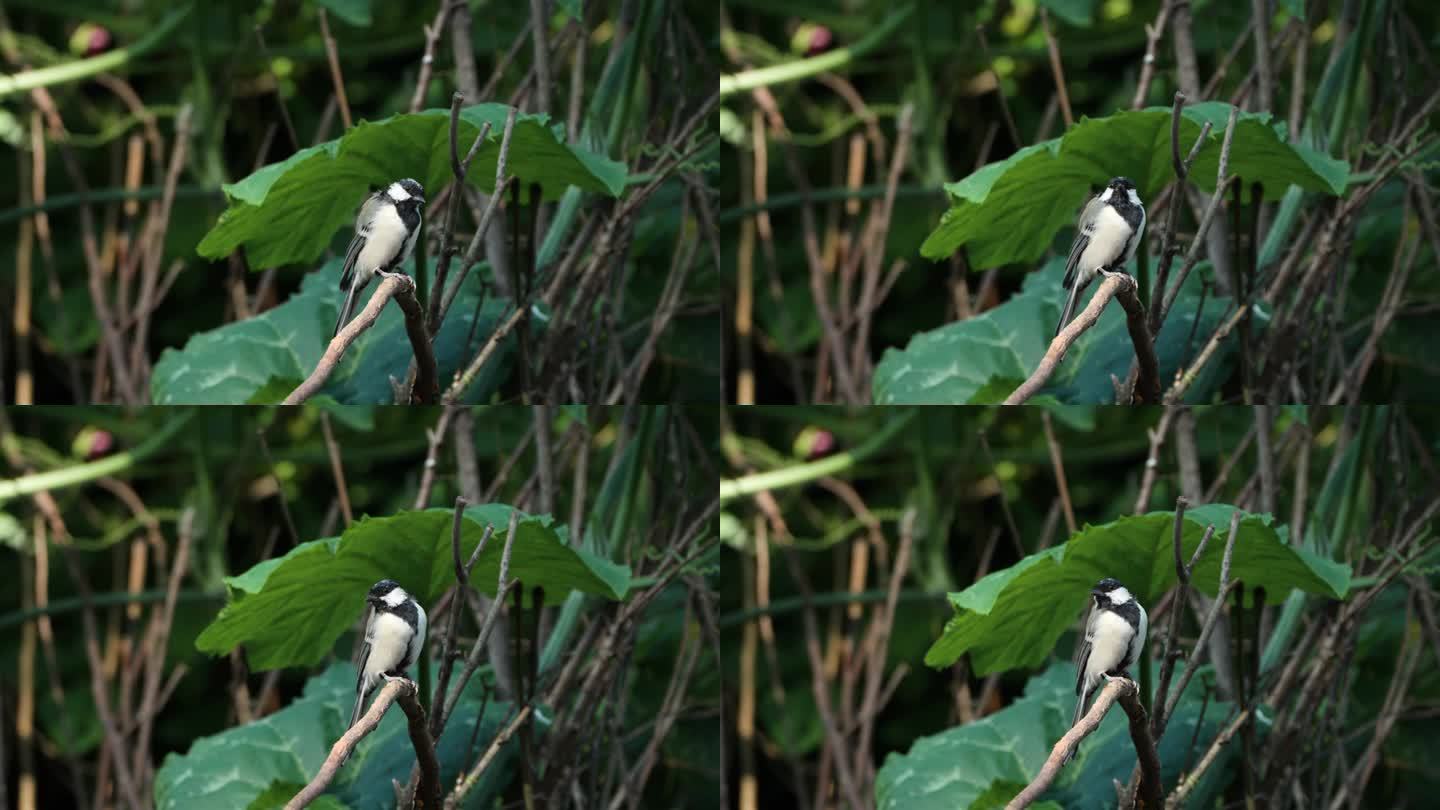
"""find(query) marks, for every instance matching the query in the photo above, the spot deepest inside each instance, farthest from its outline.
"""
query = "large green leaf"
(269, 354)
(957, 363)
(1013, 617)
(971, 765)
(1008, 212)
(287, 212)
(277, 755)
(294, 611)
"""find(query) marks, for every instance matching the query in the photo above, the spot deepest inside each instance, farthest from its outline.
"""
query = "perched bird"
(1114, 639)
(385, 233)
(1108, 232)
(393, 638)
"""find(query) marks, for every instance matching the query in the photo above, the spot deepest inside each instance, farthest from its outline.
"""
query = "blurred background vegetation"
(829, 512)
(91, 507)
(844, 121)
(92, 107)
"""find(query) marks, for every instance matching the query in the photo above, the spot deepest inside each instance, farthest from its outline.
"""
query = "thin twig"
(427, 62)
(472, 253)
(1054, 48)
(1193, 662)
(1153, 32)
(1177, 198)
(473, 777)
(462, 581)
(276, 85)
(503, 586)
(1193, 255)
(999, 90)
(337, 468)
(1177, 798)
(458, 167)
(1058, 463)
(539, 27)
(333, 55)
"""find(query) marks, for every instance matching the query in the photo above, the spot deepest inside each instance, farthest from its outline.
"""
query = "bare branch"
(1127, 692)
(401, 689)
(1115, 285)
(402, 288)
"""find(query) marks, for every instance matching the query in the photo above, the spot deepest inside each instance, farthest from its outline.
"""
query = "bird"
(1114, 640)
(1107, 234)
(393, 639)
(385, 234)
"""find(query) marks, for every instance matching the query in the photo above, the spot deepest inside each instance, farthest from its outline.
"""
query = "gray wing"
(1082, 660)
(362, 233)
(1082, 657)
(361, 660)
(1082, 239)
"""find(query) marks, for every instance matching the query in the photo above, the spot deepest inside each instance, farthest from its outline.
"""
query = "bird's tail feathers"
(1071, 301)
(1075, 721)
(362, 691)
(347, 308)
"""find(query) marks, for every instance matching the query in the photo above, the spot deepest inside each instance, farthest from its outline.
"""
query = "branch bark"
(402, 289)
(403, 690)
(1115, 285)
(1127, 693)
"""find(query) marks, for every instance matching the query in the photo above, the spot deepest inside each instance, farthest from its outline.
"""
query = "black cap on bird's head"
(1121, 183)
(380, 590)
(1105, 587)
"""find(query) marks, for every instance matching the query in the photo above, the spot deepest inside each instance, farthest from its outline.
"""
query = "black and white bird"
(1114, 640)
(1107, 234)
(393, 638)
(385, 234)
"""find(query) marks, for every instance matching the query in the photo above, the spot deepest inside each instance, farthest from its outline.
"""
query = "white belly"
(389, 639)
(384, 240)
(1110, 643)
(1107, 242)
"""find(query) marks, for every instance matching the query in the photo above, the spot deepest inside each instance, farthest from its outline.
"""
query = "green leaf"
(279, 794)
(249, 359)
(985, 763)
(248, 766)
(1009, 212)
(287, 212)
(974, 360)
(1000, 793)
(290, 612)
(1013, 617)
(355, 12)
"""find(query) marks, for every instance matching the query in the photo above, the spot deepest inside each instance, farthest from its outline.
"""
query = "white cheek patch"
(1120, 596)
(395, 598)
(1134, 198)
(1105, 195)
(397, 192)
